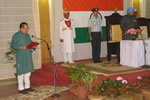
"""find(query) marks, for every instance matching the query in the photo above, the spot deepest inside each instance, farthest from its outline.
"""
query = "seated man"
(129, 22)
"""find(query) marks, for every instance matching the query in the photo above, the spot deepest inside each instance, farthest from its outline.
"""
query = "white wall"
(83, 51)
(142, 8)
(147, 8)
(12, 13)
(52, 22)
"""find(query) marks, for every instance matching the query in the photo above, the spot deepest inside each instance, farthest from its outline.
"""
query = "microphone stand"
(54, 95)
(145, 52)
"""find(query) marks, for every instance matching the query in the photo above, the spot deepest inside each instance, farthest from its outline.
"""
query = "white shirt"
(68, 35)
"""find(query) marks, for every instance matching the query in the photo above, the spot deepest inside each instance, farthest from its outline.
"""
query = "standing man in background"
(24, 64)
(67, 37)
(95, 33)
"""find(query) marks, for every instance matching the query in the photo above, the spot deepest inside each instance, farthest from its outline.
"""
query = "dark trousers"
(96, 45)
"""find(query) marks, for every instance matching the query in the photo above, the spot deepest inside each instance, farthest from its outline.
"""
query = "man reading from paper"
(67, 37)
(24, 64)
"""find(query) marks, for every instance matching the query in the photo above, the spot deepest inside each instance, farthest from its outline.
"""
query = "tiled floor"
(9, 90)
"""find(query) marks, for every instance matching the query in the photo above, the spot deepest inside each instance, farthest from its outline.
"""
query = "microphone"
(35, 37)
(42, 41)
(38, 38)
(52, 60)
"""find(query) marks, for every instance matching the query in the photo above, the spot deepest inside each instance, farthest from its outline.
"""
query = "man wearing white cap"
(67, 37)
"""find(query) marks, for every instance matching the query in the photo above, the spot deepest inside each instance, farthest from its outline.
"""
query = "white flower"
(119, 78)
(124, 81)
(139, 77)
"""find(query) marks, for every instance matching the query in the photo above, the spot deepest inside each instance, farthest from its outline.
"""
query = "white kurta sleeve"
(74, 33)
(61, 31)
(73, 29)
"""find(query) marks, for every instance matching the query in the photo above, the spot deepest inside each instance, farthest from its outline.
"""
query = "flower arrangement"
(111, 88)
(133, 33)
(118, 87)
(143, 82)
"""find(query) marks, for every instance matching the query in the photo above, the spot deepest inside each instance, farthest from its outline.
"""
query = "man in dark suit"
(129, 22)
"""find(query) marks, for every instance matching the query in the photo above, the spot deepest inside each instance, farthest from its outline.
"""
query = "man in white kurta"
(67, 37)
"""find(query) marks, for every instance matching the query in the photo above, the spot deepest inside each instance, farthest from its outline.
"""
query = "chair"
(144, 24)
(114, 35)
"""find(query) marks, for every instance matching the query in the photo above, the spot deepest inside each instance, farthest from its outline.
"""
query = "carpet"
(108, 68)
(40, 93)
(44, 76)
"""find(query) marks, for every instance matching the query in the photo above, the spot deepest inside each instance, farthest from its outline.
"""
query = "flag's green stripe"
(82, 35)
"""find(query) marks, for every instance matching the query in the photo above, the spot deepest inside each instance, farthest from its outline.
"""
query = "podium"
(114, 33)
(132, 53)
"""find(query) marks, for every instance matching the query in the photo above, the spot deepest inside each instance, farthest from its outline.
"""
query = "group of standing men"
(67, 32)
(20, 40)
(67, 35)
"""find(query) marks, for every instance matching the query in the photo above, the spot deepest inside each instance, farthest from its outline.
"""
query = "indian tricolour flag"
(81, 10)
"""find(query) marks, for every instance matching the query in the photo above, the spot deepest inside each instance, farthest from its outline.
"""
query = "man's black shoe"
(100, 61)
(23, 92)
(95, 61)
(30, 89)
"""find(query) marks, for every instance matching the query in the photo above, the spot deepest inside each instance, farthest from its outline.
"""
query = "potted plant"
(118, 89)
(115, 89)
(136, 89)
(81, 79)
(73, 76)
(144, 82)
(95, 93)
(106, 90)
(11, 55)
